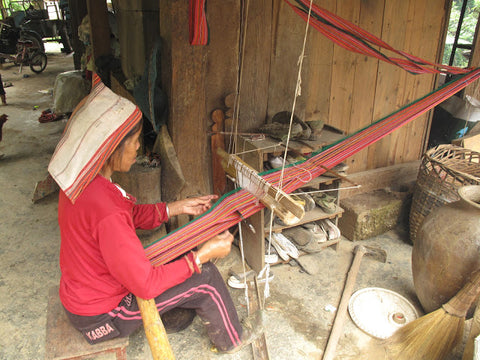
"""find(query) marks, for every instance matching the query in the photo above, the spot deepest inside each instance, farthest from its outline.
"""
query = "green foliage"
(467, 31)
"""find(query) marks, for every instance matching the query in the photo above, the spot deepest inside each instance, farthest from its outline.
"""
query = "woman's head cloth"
(96, 127)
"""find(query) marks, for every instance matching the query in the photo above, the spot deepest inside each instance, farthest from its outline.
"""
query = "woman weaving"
(103, 264)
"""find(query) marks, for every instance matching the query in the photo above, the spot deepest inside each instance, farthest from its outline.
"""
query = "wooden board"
(350, 91)
(63, 341)
(259, 346)
(287, 45)
(394, 177)
(317, 72)
(388, 87)
(364, 85)
(254, 244)
(255, 68)
(310, 216)
(343, 72)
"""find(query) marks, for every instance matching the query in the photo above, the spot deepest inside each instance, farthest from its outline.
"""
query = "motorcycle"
(10, 36)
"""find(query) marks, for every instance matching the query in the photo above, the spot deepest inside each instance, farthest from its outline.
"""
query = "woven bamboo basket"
(443, 170)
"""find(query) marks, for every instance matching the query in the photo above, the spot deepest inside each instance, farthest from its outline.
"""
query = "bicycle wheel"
(38, 62)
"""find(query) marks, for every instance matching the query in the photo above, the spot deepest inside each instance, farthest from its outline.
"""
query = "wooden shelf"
(314, 215)
(255, 153)
(275, 146)
(320, 180)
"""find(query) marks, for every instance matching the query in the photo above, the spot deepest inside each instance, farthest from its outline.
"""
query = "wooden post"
(154, 330)
(99, 28)
(78, 10)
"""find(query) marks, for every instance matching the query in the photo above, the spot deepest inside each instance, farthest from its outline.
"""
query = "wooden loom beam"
(284, 206)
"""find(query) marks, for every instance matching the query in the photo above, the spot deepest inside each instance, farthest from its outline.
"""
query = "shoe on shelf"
(276, 162)
(332, 230)
(307, 237)
(317, 231)
(284, 246)
(282, 253)
(271, 258)
(326, 202)
(309, 203)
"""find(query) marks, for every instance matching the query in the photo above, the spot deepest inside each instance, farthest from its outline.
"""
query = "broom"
(435, 335)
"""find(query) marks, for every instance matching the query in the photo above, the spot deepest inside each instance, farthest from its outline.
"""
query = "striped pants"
(206, 293)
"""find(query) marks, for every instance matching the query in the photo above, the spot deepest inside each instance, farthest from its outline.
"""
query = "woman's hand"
(191, 206)
(217, 247)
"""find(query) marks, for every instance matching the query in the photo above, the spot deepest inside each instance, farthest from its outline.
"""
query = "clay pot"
(447, 249)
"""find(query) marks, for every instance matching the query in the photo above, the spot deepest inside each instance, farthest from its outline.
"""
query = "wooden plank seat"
(64, 342)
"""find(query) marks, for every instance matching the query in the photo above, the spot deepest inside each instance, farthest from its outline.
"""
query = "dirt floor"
(297, 322)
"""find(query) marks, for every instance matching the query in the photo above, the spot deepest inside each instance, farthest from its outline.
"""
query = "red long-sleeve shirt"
(101, 257)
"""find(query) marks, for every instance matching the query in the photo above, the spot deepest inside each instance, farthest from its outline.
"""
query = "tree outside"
(467, 31)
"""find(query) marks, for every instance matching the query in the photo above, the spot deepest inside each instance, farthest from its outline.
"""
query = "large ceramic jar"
(447, 249)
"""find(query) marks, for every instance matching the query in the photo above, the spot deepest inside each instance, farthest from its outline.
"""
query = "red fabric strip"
(354, 38)
(198, 26)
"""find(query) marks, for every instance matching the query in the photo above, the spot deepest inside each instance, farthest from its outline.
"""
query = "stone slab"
(371, 214)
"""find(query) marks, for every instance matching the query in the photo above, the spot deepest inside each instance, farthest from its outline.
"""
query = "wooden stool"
(64, 342)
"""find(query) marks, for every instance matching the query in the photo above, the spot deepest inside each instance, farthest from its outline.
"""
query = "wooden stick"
(342, 308)
(259, 346)
(340, 176)
(154, 330)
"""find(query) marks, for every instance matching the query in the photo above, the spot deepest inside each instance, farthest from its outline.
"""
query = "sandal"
(284, 247)
(308, 202)
(307, 237)
(326, 202)
(332, 230)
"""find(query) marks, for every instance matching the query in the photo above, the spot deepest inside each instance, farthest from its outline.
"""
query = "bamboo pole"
(154, 330)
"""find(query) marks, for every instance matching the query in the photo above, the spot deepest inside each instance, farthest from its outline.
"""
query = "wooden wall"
(344, 89)
(350, 91)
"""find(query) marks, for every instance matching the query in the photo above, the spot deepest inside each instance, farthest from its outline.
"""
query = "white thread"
(307, 171)
(258, 149)
(297, 92)
(243, 263)
(326, 190)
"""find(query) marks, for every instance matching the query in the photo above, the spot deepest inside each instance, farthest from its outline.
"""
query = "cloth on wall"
(198, 25)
